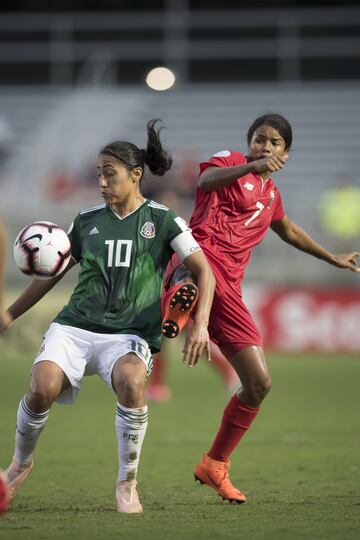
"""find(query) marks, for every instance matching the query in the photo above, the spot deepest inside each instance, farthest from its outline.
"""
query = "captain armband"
(184, 245)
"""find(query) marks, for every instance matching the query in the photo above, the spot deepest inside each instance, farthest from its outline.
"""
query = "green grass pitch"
(299, 464)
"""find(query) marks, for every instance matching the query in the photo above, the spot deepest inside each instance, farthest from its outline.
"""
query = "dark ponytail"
(155, 157)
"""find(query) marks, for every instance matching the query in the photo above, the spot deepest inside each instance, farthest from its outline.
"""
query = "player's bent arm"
(5, 319)
(34, 292)
(217, 177)
(214, 178)
(295, 235)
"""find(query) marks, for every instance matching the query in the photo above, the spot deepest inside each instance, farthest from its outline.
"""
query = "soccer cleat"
(15, 475)
(215, 474)
(179, 302)
(127, 498)
(4, 494)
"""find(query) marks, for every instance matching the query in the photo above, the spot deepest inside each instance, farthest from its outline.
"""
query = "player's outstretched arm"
(5, 319)
(296, 236)
(197, 340)
(32, 294)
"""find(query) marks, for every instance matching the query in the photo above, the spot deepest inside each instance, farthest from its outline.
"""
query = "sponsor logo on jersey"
(148, 230)
(93, 231)
(195, 248)
(249, 186)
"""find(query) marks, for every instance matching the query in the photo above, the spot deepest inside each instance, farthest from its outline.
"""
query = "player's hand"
(268, 163)
(347, 260)
(5, 320)
(197, 341)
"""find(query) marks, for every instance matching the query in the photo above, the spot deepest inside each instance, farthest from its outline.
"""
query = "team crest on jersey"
(148, 230)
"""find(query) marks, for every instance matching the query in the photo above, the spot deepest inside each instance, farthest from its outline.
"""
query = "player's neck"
(128, 206)
(264, 176)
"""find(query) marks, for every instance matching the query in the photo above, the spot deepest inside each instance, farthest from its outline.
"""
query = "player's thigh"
(47, 378)
(129, 371)
(231, 325)
(62, 360)
(120, 354)
(250, 364)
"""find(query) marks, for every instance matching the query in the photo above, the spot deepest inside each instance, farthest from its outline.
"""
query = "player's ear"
(136, 174)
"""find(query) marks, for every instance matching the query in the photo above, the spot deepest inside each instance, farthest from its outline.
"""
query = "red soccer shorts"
(231, 326)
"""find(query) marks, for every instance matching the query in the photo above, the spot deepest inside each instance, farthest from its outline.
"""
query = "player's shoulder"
(93, 211)
(153, 205)
(231, 157)
(160, 211)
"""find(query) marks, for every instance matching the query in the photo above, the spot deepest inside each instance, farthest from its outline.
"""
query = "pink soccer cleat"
(15, 475)
(127, 497)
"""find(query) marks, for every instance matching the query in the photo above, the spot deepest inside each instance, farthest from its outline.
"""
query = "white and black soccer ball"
(42, 250)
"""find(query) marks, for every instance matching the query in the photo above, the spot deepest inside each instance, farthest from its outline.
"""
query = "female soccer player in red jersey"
(236, 204)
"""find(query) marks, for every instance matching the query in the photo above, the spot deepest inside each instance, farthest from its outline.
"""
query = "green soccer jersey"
(122, 262)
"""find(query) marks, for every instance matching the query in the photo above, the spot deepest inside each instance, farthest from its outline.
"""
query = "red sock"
(236, 420)
(158, 375)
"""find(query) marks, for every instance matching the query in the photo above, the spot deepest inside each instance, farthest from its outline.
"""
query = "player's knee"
(260, 389)
(130, 385)
(39, 398)
(263, 388)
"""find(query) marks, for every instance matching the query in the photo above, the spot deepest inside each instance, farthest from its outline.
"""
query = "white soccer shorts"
(80, 352)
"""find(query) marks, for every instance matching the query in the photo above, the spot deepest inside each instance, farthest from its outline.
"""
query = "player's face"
(117, 184)
(266, 141)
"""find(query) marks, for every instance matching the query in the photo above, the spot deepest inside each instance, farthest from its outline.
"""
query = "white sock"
(130, 425)
(29, 425)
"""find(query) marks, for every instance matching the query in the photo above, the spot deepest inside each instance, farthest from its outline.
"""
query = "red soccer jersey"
(229, 222)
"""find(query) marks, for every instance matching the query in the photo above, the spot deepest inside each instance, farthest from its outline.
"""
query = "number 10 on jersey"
(119, 252)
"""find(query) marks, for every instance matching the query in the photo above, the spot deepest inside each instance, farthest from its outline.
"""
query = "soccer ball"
(42, 250)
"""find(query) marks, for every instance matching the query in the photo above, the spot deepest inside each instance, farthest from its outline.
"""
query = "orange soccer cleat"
(215, 474)
(178, 303)
(127, 498)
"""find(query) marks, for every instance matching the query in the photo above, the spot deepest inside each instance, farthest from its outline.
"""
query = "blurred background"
(76, 77)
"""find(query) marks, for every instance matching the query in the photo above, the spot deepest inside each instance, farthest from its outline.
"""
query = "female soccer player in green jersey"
(112, 322)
